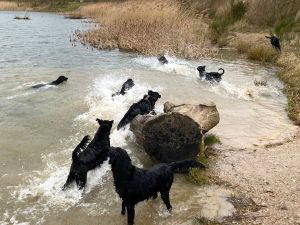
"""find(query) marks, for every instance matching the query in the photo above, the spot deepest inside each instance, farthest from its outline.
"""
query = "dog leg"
(165, 197)
(123, 212)
(71, 178)
(130, 214)
(82, 181)
(154, 196)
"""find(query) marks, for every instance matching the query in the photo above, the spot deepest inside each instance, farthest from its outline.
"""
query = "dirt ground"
(270, 176)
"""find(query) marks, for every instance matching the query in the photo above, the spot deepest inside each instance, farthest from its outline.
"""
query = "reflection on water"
(40, 128)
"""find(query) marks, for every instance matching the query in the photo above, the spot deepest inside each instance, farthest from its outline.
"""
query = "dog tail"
(82, 146)
(183, 166)
(223, 71)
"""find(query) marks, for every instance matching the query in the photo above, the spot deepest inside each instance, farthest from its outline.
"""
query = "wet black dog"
(162, 59)
(210, 76)
(87, 156)
(143, 107)
(135, 184)
(58, 81)
(275, 42)
(125, 87)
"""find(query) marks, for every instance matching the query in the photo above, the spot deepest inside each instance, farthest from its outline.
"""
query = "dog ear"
(111, 122)
(99, 121)
(150, 92)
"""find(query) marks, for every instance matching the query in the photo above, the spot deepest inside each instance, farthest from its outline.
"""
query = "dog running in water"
(135, 184)
(87, 156)
(125, 87)
(210, 76)
(143, 107)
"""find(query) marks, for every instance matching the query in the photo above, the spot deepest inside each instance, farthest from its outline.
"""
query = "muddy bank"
(268, 176)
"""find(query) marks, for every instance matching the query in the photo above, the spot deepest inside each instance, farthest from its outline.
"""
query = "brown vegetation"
(148, 27)
(10, 6)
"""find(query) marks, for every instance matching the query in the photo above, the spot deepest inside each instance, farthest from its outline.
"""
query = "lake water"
(40, 128)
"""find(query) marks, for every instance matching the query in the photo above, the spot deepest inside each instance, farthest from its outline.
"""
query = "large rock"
(175, 134)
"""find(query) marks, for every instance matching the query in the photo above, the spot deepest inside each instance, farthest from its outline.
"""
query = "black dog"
(125, 87)
(211, 76)
(135, 185)
(88, 156)
(58, 81)
(162, 59)
(275, 42)
(143, 107)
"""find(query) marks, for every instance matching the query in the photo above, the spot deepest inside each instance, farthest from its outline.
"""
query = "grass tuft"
(202, 177)
(263, 54)
(204, 221)
(211, 139)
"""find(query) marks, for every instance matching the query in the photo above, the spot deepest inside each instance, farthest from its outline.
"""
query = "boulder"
(177, 133)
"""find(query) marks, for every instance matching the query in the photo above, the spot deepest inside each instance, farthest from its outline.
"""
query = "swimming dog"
(210, 76)
(125, 87)
(58, 81)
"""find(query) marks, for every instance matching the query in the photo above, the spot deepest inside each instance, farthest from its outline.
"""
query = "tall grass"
(149, 27)
(225, 16)
(290, 75)
(270, 12)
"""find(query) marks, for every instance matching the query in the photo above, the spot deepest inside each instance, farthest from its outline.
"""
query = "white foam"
(102, 105)
(28, 91)
(175, 65)
(44, 187)
(245, 90)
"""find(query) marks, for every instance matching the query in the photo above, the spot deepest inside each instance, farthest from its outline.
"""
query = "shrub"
(262, 53)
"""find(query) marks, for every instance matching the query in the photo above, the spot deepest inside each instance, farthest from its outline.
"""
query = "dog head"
(117, 155)
(105, 124)
(154, 94)
(128, 84)
(201, 69)
(162, 59)
(129, 81)
(61, 79)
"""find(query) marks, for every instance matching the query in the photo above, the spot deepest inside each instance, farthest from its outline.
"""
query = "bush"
(211, 139)
(262, 53)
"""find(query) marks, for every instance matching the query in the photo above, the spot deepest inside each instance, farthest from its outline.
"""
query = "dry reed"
(9, 6)
(268, 12)
(148, 27)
